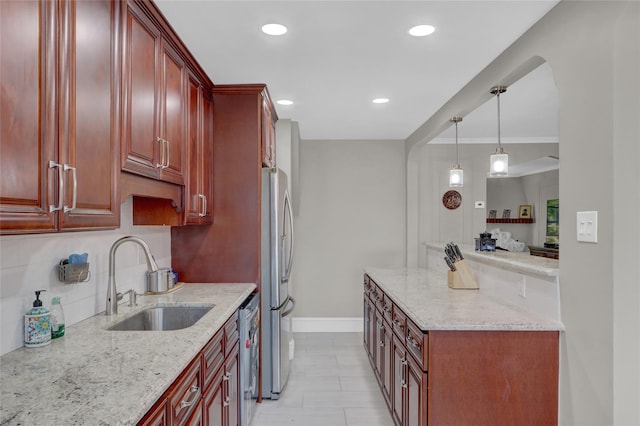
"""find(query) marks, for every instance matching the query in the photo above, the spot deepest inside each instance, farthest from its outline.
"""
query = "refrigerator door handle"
(293, 305)
(287, 270)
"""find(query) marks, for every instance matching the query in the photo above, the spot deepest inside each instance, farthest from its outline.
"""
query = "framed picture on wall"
(506, 213)
(493, 214)
(524, 212)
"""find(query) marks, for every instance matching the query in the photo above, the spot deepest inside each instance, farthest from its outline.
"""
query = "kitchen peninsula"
(445, 356)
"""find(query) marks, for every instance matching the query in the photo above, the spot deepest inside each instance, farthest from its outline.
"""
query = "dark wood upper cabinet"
(198, 196)
(268, 133)
(59, 66)
(154, 135)
(28, 123)
(229, 250)
(89, 114)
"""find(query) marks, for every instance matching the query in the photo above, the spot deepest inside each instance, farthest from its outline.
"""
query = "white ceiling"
(339, 55)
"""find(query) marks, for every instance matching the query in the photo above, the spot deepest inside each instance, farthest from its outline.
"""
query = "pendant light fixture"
(499, 161)
(456, 174)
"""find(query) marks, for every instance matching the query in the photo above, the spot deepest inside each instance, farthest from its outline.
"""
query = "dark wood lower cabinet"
(207, 391)
(213, 408)
(415, 393)
(451, 377)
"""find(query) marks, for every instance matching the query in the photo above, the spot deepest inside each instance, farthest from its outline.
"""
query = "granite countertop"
(96, 376)
(517, 262)
(423, 294)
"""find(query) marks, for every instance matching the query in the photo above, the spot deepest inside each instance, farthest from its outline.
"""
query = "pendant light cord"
(456, 120)
(499, 144)
(497, 90)
(457, 159)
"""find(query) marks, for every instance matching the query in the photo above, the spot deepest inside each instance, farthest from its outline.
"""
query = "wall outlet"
(479, 204)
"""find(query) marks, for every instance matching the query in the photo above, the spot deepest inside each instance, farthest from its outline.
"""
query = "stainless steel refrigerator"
(277, 302)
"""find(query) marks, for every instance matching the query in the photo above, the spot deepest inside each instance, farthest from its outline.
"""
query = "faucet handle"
(133, 296)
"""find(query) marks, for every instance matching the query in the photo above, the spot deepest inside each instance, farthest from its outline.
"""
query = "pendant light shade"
(499, 161)
(456, 174)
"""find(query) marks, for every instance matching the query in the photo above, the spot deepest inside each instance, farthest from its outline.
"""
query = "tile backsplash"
(29, 263)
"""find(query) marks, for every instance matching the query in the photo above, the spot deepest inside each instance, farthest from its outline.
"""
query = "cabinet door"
(27, 124)
(399, 380)
(416, 393)
(379, 345)
(207, 157)
(193, 196)
(173, 120)
(268, 135)
(213, 402)
(232, 395)
(367, 314)
(141, 146)
(88, 114)
(198, 198)
(387, 364)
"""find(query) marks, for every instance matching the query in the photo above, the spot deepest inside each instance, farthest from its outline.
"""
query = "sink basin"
(162, 318)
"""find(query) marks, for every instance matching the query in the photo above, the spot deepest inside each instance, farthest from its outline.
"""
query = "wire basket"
(73, 272)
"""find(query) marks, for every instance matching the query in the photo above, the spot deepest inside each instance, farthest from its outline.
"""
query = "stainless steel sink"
(162, 318)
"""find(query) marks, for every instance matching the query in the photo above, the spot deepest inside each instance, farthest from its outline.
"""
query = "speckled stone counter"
(93, 376)
(517, 262)
(424, 296)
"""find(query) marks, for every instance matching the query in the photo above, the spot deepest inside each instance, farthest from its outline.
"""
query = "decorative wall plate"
(452, 199)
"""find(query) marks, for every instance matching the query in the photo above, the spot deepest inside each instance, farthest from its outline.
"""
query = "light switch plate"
(587, 227)
(479, 204)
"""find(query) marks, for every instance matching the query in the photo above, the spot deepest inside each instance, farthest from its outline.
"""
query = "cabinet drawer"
(185, 394)
(213, 357)
(378, 298)
(231, 333)
(387, 308)
(399, 322)
(417, 343)
(367, 286)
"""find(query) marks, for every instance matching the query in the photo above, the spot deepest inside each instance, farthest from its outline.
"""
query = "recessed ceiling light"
(274, 29)
(284, 102)
(380, 101)
(422, 30)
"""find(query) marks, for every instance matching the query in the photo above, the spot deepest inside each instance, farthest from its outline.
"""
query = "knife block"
(462, 278)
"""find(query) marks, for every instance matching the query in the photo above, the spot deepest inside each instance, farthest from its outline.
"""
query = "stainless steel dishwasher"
(249, 324)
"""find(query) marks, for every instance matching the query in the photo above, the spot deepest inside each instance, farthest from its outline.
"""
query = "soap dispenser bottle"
(37, 324)
(57, 318)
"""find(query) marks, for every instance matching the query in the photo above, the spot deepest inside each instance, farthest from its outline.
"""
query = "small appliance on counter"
(161, 280)
(485, 242)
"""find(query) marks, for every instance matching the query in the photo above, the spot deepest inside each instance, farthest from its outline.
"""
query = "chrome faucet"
(112, 294)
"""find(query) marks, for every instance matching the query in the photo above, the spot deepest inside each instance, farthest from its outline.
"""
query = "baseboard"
(327, 325)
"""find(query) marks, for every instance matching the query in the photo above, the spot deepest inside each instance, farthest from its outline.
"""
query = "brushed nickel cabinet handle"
(162, 153)
(52, 207)
(203, 205)
(195, 394)
(168, 154)
(66, 168)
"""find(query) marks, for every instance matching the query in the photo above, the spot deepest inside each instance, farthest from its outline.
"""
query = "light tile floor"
(331, 384)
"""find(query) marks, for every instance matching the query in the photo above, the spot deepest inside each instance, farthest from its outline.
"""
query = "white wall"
(593, 49)
(462, 225)
(28, 263)
(351, 215)
(288, 157)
